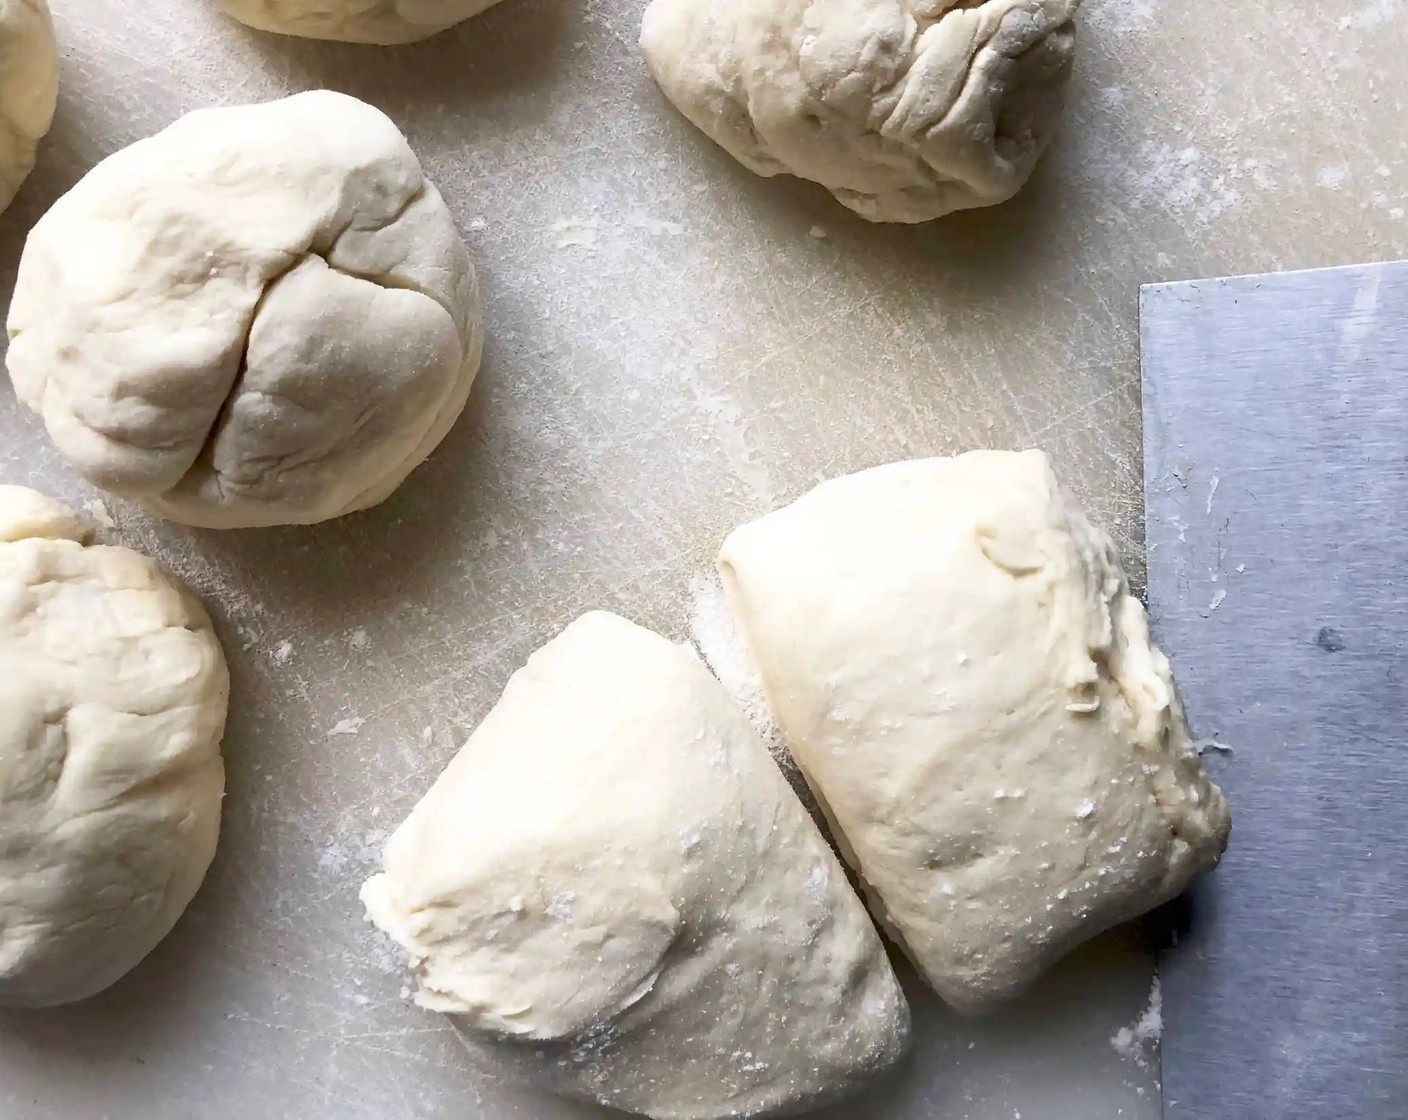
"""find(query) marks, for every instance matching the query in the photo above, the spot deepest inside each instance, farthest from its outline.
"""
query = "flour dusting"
(1333, 178)
(1139, 1042)
(98, 511)
(1121, 17)
(576, 233)
(1371, 15)
(711, 624)
(726, 653)
(656, 226)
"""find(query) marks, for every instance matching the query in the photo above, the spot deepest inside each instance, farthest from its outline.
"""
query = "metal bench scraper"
(1276, 487)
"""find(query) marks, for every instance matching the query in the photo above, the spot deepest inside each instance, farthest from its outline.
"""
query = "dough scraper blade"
(1276, 490)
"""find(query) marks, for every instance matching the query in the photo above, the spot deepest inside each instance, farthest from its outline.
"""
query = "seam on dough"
(205, 456)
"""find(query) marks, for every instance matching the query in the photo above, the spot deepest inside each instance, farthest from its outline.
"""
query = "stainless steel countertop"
(670, 351)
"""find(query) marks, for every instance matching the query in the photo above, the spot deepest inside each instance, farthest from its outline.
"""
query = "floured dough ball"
(262, 315)
(962, 674)
(613, 890)
(905, 112)
(29, 88)
(383, 22)
(113, 693)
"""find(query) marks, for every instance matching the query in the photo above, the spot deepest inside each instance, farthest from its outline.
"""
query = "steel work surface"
(670, 351)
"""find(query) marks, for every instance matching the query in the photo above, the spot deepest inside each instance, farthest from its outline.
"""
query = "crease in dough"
(261, 315)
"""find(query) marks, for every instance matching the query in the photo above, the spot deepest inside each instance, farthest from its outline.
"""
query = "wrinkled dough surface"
(382, 22)
(29, 88)
(905, 112)
(961, 672)
(613, 889)
(113, 693)
(261, 315)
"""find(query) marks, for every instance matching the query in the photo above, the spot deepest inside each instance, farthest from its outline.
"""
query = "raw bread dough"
(904, 112)
(261, 315)
(29, 88)
(384, 22)
(113, 693)
(961, 672)
(613, 888)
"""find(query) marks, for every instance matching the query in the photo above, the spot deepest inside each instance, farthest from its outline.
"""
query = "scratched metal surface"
(1276, 423)
(670, 351)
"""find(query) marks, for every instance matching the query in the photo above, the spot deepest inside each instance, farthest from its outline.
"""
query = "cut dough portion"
(961, 672)
(113, 693)
(261, 315)
(614, 889)
(29, 88)
(905, 112)
(383, 22)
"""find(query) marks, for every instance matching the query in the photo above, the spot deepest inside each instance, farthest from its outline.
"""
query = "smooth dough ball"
(966, 681)
(29, 88)
(383, 22)
(905, 112)
(613, 889)
(262, 315)
(113, 693)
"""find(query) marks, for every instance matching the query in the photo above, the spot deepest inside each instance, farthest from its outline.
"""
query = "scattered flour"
(576, 233)
(1139, 1042)
(1185, 181)
(359, 641)
(1333, 178)
(1120, 17)
(98, 511)
(712, 626)
(283, 652)
(655, 226)
(1371, 14)
(725, 652)
(333, 857)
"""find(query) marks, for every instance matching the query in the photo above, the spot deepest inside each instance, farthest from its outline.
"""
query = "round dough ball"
(961, 672)
(113, 692)
(616, 894)
(262, 315)
(383, 22)
(29, 88)
(905, 112)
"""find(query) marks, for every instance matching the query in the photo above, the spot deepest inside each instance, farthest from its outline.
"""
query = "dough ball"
(29, 88)
(384, 22)
(905, 112)
(113, 693)
(962, 674)
(613, 890)
(262, 315)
